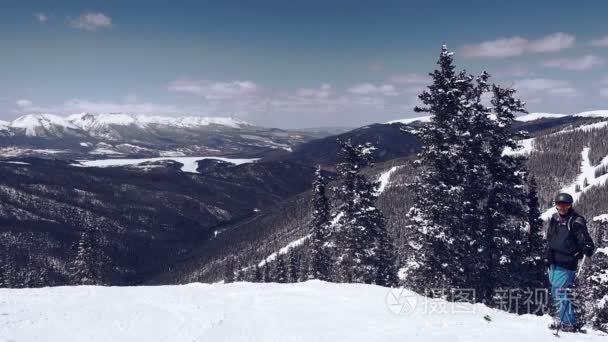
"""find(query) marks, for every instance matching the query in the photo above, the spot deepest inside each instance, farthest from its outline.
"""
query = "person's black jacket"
(568, 240)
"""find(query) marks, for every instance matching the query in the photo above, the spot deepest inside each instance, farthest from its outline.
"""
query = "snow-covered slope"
(522, 118)
(310, 311)
(594, 114)
(42, 124)
(189, 164)
(585, 181)
(536, 116)
(410, 120)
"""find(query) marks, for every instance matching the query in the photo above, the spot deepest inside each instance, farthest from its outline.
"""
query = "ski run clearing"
(190, 164)
(309, 311)
(585, 181)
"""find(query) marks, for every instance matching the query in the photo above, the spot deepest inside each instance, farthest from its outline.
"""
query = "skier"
(567, 241)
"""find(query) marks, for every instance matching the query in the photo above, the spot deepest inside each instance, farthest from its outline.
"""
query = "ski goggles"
(563, 205)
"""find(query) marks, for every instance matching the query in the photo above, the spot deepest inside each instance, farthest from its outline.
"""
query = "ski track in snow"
(384, 178)
(587, 173)
(189, 163)
(311, 311)
(283, 250)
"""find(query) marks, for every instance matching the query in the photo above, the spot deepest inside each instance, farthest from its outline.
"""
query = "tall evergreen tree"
(280, 272)
(257, 274)
(266, 276)
(229, 270)
(594, 282)
(91, 263)
(320, 255)
(469, 211)
(365, 250)
(293, 267)
(534, 270)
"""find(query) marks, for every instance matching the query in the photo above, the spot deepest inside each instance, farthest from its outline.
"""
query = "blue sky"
(291, 63)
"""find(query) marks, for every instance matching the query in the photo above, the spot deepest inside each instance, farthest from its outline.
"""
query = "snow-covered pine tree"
(595, 279)
(505, 200)
(257, 274)
(365, 250)
(280, 272)
(266, 276)
(469, 212)
(293, 267)
(89, 262)
(534, 270)
(229, 270)
(239, 273)
(320, 256)
(439, 196)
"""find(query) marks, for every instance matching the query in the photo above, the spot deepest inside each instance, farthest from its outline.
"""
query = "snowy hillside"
(522, 118)
(310, 311)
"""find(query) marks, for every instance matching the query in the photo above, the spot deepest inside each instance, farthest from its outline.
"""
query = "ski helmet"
(564, 198)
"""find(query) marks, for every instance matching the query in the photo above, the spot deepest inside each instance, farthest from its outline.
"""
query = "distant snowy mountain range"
(100, 125)
(135, 135)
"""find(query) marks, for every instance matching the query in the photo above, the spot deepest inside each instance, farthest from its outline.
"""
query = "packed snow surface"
(189, 163)
(310, 311)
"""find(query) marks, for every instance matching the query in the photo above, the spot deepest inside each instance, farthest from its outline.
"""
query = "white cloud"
(41, 17)
(323, 92)
(81, 105)
(410, 79)
(214, 90)
(371, 89)
(600, 42)
(92, 21)
(23, 103)
(553, 42)
(515, 46)
(577, 63)
(544, 86)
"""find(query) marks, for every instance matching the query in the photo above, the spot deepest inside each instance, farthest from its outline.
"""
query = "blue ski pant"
(561, 280)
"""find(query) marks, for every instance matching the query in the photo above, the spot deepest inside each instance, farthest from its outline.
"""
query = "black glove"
(578, 255)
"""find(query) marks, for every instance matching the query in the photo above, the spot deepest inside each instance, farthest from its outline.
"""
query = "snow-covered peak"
(594, 114)
(34, 123)
(536, 116)
(88, 121)
(410, 120)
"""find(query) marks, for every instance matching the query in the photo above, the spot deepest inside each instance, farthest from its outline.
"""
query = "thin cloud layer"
(544, 86)
(214, 90)
(41, 17)
(600, 42)
(515, 46)
(410, 79)
(92, 21)
(577, 63)
(372, 89)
